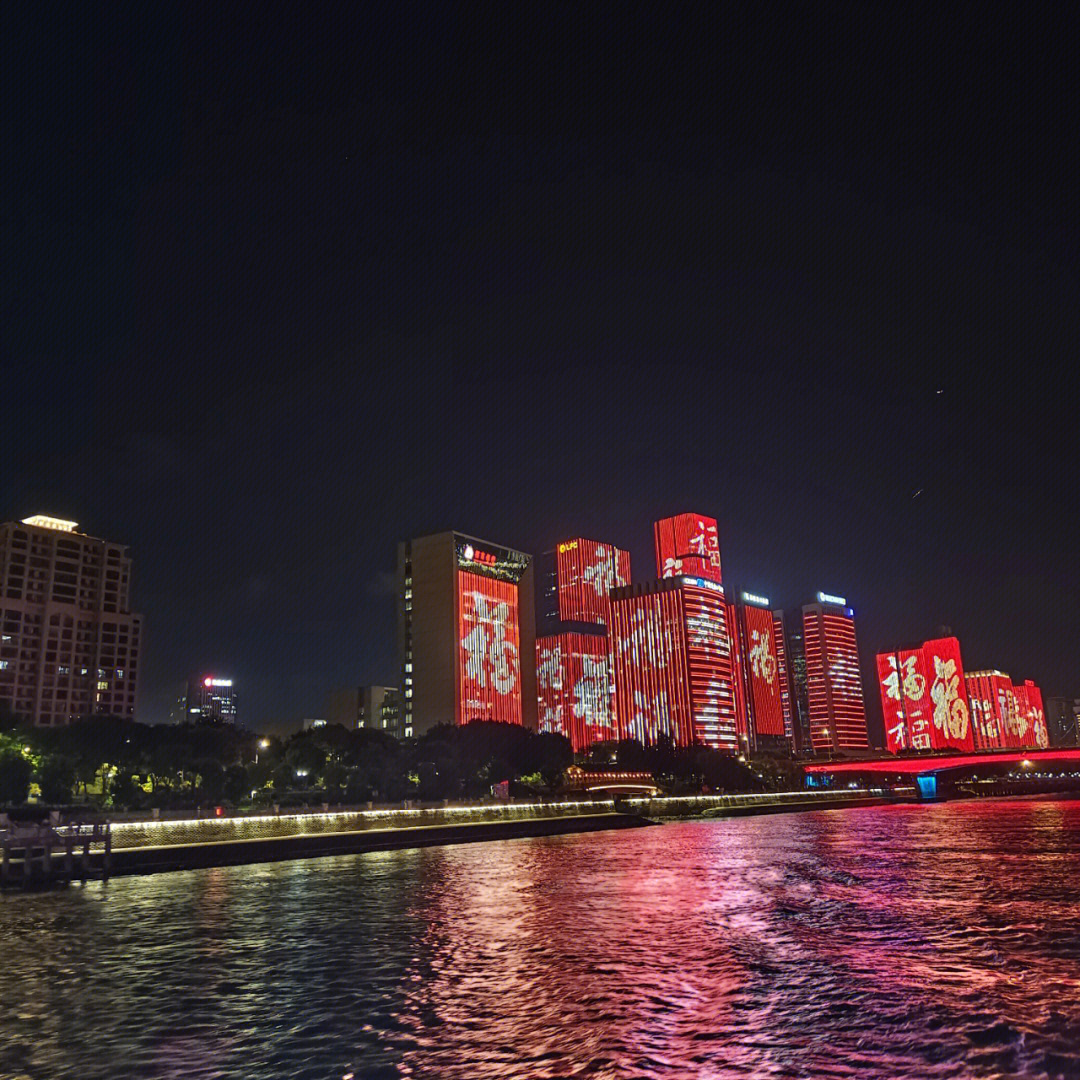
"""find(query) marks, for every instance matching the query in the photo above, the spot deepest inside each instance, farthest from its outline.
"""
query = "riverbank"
(151, 859)
(159, 845)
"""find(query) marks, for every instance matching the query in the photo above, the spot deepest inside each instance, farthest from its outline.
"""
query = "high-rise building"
(574, 677)
(687, 545)
(800, 700)
(379, 707)
(575, 687)
(211, 699)
(1063, 720)
(761, 673)
(673, 663)
(466, 632)
(574, 580)
(833, 684)
(70, 646)
(1005, 716)
(924, 698)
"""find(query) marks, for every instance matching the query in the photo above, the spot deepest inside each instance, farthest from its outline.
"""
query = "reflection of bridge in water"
(927, 769)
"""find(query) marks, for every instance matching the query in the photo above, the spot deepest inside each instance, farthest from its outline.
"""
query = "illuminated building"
(70, 646)
(575, 688)
(1063, 720)
(762, 673)
(575, 578)
(673, 663)
(787, 695)
(376, 707)
(1006, 716)
(833, 685)
(466, 633)
(924, 698)
(574, 680)
(212, 699)
(687, 545)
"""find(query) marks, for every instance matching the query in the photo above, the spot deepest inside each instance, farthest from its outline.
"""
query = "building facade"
(673, 663)
(837, 712)
(71, 644)
(211, 699)
(688, 545)
(466, 633)
(1063, 720)
(924, 699)
(574, 672)
(761, 667)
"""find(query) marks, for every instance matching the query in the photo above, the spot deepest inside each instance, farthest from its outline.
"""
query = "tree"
(15, 773)
(56, 779)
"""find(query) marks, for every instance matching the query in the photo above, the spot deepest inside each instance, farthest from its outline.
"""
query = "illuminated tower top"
(687, 545)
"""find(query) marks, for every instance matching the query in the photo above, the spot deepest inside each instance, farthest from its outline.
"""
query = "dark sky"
(284, 289)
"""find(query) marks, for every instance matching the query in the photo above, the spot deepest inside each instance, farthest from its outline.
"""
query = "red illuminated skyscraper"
(466, 632)
(574, 671)
(673, 663)
(759, 653)
(574, 687)
(924, 698)
(687, 544)
(834, 688)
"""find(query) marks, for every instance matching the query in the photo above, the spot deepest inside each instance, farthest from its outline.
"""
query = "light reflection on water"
(891, 942)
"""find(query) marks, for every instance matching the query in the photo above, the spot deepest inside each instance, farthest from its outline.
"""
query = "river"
(892, 942)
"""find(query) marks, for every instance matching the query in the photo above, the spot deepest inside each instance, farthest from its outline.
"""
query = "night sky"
(285, 289)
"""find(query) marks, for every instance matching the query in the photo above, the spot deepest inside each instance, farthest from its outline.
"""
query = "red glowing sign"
(890, 680)
(574, 688)
(587, 571)
(489, 650)
(687, 545)
(950, 715)
(762, 671)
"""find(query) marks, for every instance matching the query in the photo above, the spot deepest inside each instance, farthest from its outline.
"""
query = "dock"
(44, 853)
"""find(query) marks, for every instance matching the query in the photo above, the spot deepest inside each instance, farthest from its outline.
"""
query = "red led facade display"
(890, 681)
(833, 686)
(574, 688)
(951, 727)
(687, 545)
(586, 572)
(489, 650)
(673, 665)
(762, 671)
(1030, 715)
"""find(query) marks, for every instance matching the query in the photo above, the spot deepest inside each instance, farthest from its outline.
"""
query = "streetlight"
(264, 744)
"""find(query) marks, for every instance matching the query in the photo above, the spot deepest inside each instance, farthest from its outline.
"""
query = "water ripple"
(892, 943)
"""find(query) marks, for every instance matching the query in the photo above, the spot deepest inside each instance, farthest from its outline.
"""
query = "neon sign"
(753, 598)
(828, 598)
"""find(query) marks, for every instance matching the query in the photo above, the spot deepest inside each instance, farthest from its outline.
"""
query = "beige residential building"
(70, 642)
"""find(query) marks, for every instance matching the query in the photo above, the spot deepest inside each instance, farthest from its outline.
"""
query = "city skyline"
(276, 315)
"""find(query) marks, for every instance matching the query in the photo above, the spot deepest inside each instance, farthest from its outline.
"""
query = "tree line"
(113, 762)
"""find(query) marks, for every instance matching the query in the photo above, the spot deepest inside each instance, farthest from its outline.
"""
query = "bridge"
(926, 769)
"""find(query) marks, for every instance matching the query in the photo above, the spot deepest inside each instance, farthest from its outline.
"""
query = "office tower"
(574, 678)
(70, 646)
(466, 632)
(687, 545)
(924, 699)
(833, 685)
(673, 663)
(212, 699)
(762, 673)
(377, 707)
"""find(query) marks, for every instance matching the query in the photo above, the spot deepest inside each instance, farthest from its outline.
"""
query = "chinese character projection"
(489, 645)
(687, 545)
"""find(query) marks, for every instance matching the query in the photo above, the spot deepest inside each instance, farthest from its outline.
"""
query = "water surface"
(891, 942)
